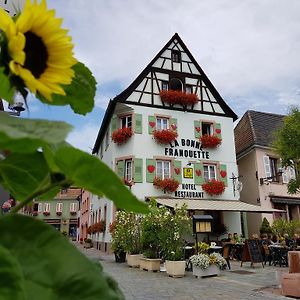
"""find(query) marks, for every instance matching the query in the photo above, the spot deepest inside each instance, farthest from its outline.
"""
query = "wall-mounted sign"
(188, 173)
(188, 191)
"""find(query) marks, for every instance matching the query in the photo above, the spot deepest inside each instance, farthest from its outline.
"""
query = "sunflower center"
(36, 54)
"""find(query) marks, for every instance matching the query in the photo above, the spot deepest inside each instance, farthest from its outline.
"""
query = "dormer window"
(126, 121)
(176, 56)
(207, 128)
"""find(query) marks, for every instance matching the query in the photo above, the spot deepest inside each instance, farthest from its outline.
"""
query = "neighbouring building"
(264, 180)
(85, 209)
(62, 212)
(170, 127)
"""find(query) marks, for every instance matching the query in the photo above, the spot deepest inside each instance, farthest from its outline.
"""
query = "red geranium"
(59, 213)
(112, 226)
(46, 213)
(121, 135)
(178, 97)
(214, 187)
(210, 141)
(168, 185)
(165, 136)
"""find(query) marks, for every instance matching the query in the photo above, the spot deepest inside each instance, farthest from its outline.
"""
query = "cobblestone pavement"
(258, 283)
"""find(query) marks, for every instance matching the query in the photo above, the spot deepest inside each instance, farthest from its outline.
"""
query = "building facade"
(169, 127)
(84, 217)
(264, 180)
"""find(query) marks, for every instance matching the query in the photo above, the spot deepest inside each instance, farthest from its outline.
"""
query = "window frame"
(73, 207)
(46, 207)
(164, 85)
(163, 168)
(273, 161)
(126, 163)
(209, 172)
(126, 118)
(176, 56)
(209, 125)
(161, 126)
(59, 207)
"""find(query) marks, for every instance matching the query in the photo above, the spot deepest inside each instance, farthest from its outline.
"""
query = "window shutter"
(120, 168)
(113, 124)
(138, 128)
(151, 124)
(223, 174)
(198, 173)
(173, 124)
(150, 170)
(138, 170)
(218, 132)
(197, 129)
(267, 166)
(177, 171)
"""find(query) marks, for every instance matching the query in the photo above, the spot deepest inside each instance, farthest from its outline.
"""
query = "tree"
(287, 145)
(265, 226)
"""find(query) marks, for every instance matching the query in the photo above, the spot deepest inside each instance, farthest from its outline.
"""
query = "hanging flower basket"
(164, 136)
(121, 135)
(168, 185)
(210, 141)
(214, 187)
(178, 97)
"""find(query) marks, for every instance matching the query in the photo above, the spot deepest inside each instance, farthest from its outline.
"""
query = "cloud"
(291, 97)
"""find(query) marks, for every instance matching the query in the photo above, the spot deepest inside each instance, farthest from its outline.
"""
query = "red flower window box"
(168, 185)
(73, 213)
(97, 227)
(46, 213)
(121, 135)
(164, 136)
(127, 182)
(210, 141)
(178, 97)
(59, 213)
(35, 213)
(214, 187)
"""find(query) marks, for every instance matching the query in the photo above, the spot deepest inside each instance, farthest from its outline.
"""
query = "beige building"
(264, 180)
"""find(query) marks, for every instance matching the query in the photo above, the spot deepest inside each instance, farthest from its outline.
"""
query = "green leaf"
(22, 174)
(80, 93)
(90, 173)
(12, 280)
(26, 135)
(52, 267)
(6, 89)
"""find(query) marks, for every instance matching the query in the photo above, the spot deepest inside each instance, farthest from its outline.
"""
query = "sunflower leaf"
(26, 135)
(39, 263)
(80, 93)
(7, 90)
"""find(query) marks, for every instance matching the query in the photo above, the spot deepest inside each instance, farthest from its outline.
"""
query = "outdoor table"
(279, 254)
(217, 249)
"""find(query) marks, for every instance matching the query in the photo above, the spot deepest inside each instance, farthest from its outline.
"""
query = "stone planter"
(175, 268)
(212, 270)
(133, 260)
(150, 264)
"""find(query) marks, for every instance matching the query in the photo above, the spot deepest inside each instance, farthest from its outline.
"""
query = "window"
(162, 123)
(164, 85)
(35, 207)
(59, 207)
(126, 121)
(274, 169)
(40, 207)
(176, 56)
(64, 191)
(188, 89)
(175, 84)
(128, 170)
(209, 172)
(163, 169)
(46, 207)
(207, 128)
(73, 206)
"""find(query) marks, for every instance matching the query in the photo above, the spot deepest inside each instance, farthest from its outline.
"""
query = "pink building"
(264, 179)
(84, 214)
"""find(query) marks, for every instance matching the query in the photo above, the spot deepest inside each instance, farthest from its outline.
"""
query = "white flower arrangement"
(203, 261)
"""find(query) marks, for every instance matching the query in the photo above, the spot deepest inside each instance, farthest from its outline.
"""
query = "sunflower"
(41, 52)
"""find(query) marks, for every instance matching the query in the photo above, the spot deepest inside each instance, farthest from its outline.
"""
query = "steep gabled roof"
(256, 128)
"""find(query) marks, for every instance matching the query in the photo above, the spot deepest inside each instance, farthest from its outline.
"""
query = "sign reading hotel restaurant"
(188, 191)
(197, 154)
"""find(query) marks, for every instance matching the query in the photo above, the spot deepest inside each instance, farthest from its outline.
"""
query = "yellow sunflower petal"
(5, 20)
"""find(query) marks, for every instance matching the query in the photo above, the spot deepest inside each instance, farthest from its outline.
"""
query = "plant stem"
(36, 194)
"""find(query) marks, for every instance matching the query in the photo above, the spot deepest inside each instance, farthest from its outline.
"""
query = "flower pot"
(133, 260)
(212, 270)
(175, 268)
(120, 257)
(150, 264)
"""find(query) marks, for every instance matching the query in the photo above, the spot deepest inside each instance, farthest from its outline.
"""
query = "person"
(229, 238)
(254, 236)
(275, 239)
(236, 238)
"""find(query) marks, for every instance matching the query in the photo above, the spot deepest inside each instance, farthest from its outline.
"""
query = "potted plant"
(176, 225)
(121, 135)
(88, 243)
(164, 136)
(178, 97)
(207, 264)
(214, 187)
(210, 141)
(168, 185)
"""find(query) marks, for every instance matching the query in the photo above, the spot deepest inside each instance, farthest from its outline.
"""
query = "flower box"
(59, 213)
(150, 264)
(212, 270)
(168, 185)
(121, 135)
(46, 213)
(73, 213)
(133, 260)
(164, 136)
(210, 141)
(214, 187)
(178, 97)
(175, 268)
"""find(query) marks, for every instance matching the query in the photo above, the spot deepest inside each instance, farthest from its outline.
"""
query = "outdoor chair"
(226, 253)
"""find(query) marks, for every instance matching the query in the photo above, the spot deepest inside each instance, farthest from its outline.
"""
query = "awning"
(285, 200)
(223, 205)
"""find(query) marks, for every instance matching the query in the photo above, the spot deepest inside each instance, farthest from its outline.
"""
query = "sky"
(249, 50)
